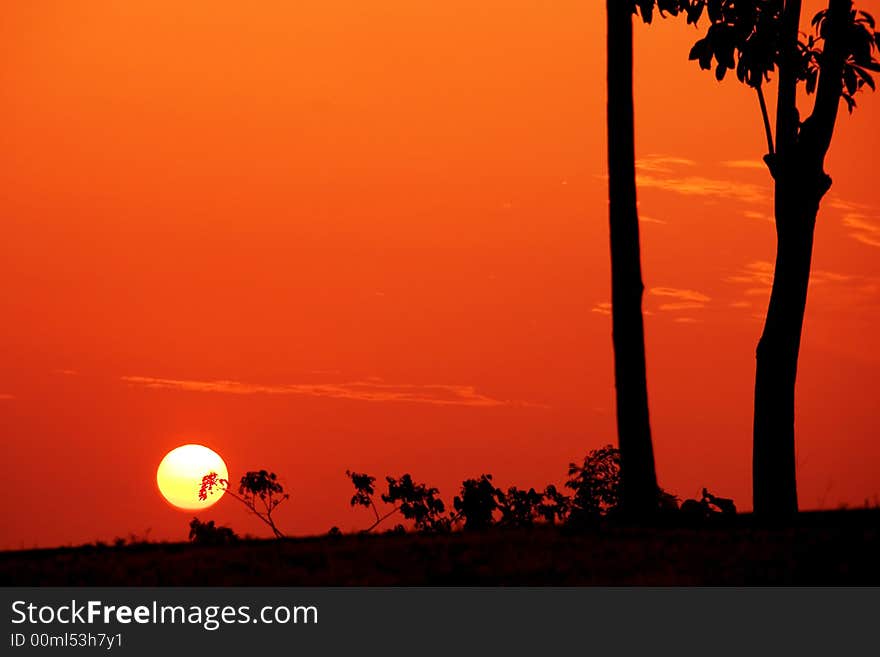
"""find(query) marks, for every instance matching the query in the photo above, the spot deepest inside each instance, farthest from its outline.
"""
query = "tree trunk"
(801, 183)
(638, 478)
(774, 468)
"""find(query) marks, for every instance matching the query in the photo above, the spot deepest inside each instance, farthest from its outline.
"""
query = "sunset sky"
(337, 234)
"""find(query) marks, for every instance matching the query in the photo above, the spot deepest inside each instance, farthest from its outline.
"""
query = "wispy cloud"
(757, 279)
(650, 220)
(603, 308)
(762, 216)
(674, 174)
(371, 390)
(682, 305)
(705, 187)
(680, 299)
(662, 163)
(862, 228)
(4, 396)
(683, 295)
(758, 275)
(745, 164)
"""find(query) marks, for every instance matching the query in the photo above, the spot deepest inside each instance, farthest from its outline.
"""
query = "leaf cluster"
(747, 36)
(417, 502)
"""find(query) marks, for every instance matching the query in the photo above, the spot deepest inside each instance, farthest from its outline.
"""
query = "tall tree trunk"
(638, 478)
(774, 467)
(801, 182)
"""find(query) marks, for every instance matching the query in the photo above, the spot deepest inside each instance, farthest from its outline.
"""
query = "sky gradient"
(336, 236)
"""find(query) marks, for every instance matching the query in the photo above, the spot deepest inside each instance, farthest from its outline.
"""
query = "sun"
(180, 475)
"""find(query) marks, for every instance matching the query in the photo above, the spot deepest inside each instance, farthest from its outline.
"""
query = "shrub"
(206, 533)
(258, 490)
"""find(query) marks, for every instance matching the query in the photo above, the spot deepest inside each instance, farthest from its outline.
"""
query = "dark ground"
(823, 548)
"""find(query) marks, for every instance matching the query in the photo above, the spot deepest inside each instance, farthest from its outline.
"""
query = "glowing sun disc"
(180, 473)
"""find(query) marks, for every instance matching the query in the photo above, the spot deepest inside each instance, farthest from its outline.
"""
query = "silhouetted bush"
(519, 508)
(707, 507)
(554, 506)
(477, 502)
(596, 485)
(206, 533)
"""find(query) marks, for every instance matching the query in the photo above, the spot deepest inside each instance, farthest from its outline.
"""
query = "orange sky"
(387, 224)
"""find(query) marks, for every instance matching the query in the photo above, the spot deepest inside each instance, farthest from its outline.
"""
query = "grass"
(827, 548)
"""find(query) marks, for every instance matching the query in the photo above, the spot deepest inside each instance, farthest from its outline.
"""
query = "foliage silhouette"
(480, 505)
(416, 502)
(707, 507)
(519, 508)
(477, 503)
(596, 485)
(258, 490)
(206, 533)
(554, 506)
(757, 38)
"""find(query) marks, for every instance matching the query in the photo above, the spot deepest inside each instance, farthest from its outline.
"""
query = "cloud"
(372, 390)
(650, 220)
(758, 273)
(680, 299)
(757, 278)
(686, 320)
(763, 216)
(671, 174)
(683, 295)
(745, 164)
(684, 305)
(705, 187)
(4, 396)
(863, 229)
(603, 308)
(662, 163)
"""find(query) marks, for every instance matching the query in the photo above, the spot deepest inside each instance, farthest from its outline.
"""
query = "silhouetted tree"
(519, 508)
(596, 485)
(259, 491)
(416, 502)
(639, 479)
(477, 502)
(834, 63)
(554, 506)
(207, 533)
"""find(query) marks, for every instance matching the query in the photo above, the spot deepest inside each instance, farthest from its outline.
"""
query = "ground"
(841, 547)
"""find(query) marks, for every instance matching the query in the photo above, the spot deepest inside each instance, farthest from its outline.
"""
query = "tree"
(596, 484)
(477, 503)
(833, 64)
(520, 508)
(259, 491)
(639, 479)
(416, 502)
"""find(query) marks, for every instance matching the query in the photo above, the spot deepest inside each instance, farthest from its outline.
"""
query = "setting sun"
(180, 475)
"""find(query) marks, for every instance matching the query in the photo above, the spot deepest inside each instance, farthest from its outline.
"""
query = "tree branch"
(786, 107)
(819, 127)
(766, 117)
